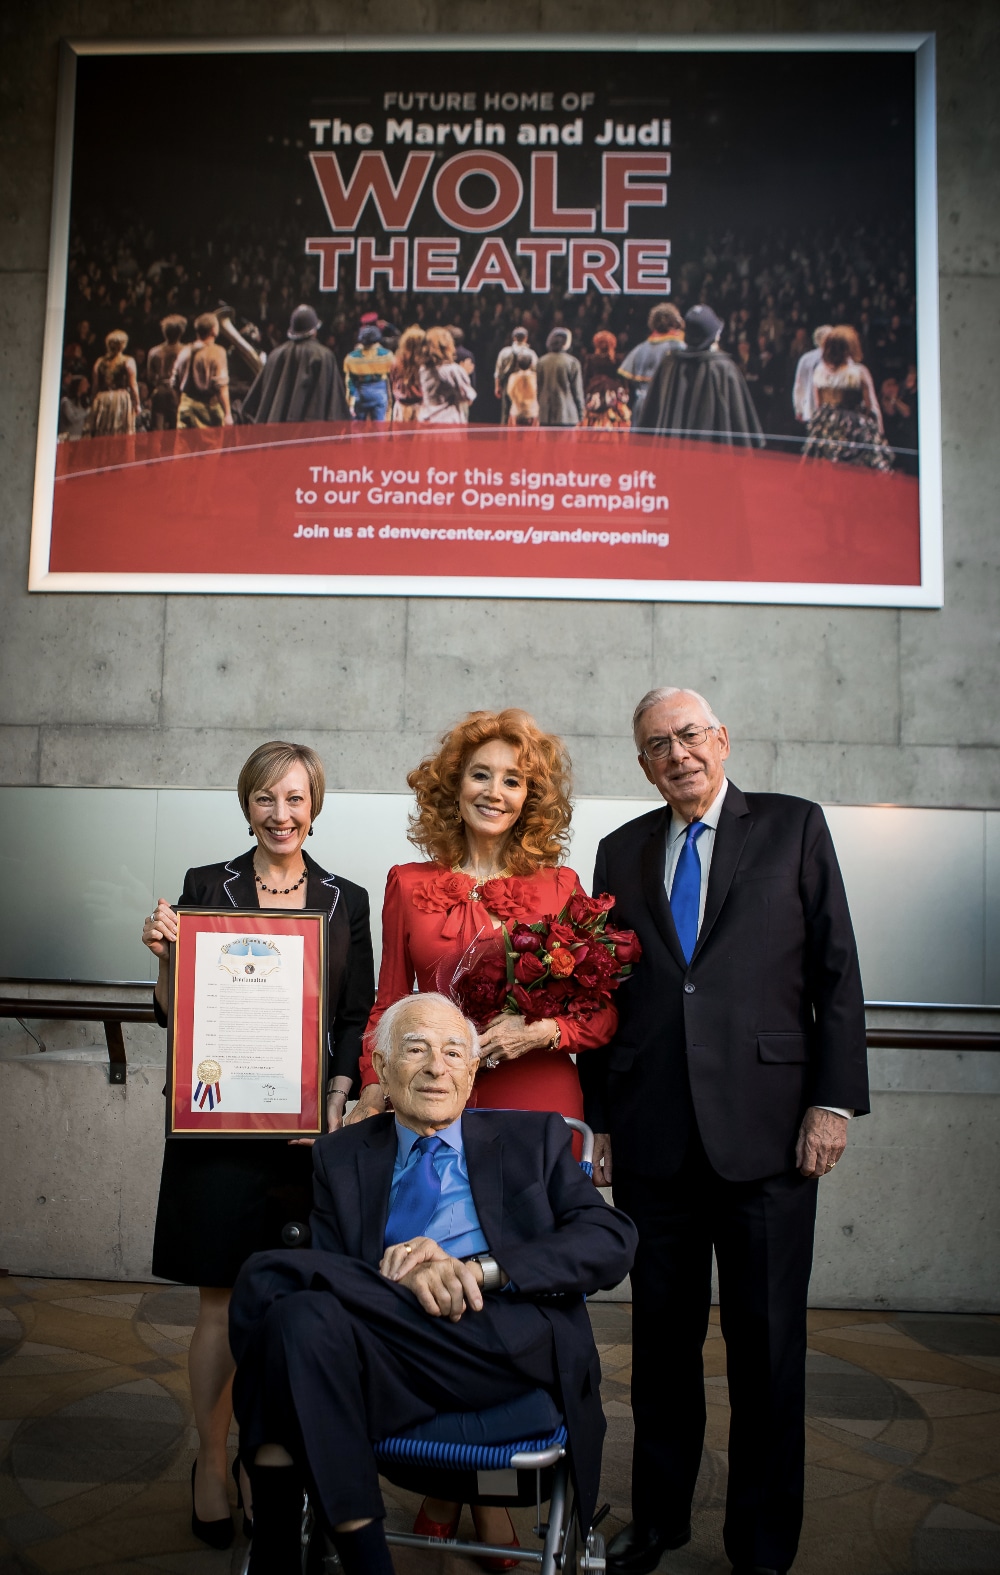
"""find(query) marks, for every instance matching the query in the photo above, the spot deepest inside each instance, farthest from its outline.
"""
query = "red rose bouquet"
(563, 966)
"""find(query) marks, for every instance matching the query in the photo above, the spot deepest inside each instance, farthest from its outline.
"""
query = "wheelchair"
(511, 1455)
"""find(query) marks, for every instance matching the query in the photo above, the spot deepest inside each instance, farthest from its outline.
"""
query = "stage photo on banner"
(656, 321)
(246, 1024)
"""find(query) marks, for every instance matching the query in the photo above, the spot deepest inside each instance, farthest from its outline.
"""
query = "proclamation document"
(247, 1024)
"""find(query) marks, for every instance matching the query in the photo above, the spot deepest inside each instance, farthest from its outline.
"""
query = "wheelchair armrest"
(587, 1156)
(295, 1234)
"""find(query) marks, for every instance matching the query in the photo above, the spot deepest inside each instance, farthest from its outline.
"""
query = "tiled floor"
(903, 1467)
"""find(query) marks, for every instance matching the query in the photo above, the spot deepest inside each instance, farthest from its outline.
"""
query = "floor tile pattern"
(96, 1443)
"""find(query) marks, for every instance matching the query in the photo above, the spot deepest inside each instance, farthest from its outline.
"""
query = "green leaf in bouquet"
(510, 954)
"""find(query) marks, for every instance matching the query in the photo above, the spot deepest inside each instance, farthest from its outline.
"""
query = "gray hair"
(654, 696)
(821, 334)
(386, 1037)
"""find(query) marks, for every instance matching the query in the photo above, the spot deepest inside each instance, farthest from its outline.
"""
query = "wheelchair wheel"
(571, 1542)
(317, 1558)
(312, 1550)
(580, 1554)
(594, 1552)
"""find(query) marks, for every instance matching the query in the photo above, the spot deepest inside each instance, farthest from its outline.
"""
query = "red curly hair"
(539, 838)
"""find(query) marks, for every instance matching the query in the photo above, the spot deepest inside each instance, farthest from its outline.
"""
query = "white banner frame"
(929, 593)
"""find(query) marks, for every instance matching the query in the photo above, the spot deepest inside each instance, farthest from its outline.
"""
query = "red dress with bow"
(429, 919)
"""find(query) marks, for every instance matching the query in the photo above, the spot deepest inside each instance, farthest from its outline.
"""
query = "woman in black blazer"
(222, 1199)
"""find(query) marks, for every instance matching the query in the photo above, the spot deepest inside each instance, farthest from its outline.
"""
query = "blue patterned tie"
(685, 893)
(417, 1195)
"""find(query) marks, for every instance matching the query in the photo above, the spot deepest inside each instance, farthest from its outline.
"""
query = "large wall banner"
(645, 319)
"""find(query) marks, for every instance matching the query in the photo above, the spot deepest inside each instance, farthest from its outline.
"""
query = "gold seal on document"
(209, 1071)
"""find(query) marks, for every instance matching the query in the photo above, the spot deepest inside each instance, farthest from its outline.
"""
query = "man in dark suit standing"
(450, 1257)
(739, 1058)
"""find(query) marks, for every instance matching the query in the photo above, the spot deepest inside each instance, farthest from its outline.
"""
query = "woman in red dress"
(493, 816)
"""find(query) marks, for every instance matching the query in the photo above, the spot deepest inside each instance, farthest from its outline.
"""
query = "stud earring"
(251, 831)
(310, 831)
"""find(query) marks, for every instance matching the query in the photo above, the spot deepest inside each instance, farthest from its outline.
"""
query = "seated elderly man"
(451, 1252)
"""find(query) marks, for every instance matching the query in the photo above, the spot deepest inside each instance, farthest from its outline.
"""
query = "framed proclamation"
(246, 1025)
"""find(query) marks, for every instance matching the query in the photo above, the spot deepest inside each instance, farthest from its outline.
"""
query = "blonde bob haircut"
(270, 762)
(539, 837)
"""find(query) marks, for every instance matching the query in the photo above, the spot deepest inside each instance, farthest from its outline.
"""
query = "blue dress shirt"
(455, 1225)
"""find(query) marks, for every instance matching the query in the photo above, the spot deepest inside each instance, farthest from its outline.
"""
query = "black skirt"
(222, 1199)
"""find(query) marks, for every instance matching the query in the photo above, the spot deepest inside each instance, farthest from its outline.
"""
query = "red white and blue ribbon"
(209, 1092)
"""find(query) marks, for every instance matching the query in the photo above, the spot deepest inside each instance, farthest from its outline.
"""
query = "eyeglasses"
(688, 738)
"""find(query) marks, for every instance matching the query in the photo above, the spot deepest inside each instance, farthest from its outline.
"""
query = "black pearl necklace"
(281, 891)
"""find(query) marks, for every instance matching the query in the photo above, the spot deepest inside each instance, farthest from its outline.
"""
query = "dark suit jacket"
(766, 1020)
(546, 1225)
(350, 966)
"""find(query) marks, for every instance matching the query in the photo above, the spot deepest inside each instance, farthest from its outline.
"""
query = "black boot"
(277, 1519)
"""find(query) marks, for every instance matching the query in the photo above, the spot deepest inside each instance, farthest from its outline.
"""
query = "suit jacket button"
(689, 989)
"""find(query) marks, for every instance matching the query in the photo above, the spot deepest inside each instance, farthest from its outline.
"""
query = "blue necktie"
(685, 893)
(417, 1195)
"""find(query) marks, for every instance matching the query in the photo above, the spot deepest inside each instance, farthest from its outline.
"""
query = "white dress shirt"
(704, 848)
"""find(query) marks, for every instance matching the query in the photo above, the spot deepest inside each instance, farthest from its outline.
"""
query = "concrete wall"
(848, 706)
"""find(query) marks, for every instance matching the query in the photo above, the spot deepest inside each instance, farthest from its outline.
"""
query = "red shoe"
(491, 1563)
(441, 1530)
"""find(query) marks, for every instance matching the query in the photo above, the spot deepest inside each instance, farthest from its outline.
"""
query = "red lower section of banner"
(475, 502)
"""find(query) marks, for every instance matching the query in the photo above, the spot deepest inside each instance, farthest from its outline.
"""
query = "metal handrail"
(67, 1009)
(112, 1014)
(53, 1008)
(931, 1039)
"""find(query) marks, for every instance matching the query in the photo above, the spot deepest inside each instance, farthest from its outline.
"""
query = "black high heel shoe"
(247, 1522)
(217, 1533)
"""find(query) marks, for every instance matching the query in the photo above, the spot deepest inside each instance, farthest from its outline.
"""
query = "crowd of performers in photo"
(781, 345)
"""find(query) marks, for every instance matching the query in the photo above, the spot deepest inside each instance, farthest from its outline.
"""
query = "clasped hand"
(509, 1036)
(444, 1286)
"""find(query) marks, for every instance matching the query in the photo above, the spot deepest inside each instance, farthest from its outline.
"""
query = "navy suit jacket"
(546, 1225)
(768, 1017)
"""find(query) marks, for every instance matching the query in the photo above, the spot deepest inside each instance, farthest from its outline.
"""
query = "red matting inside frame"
(221, 1122)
